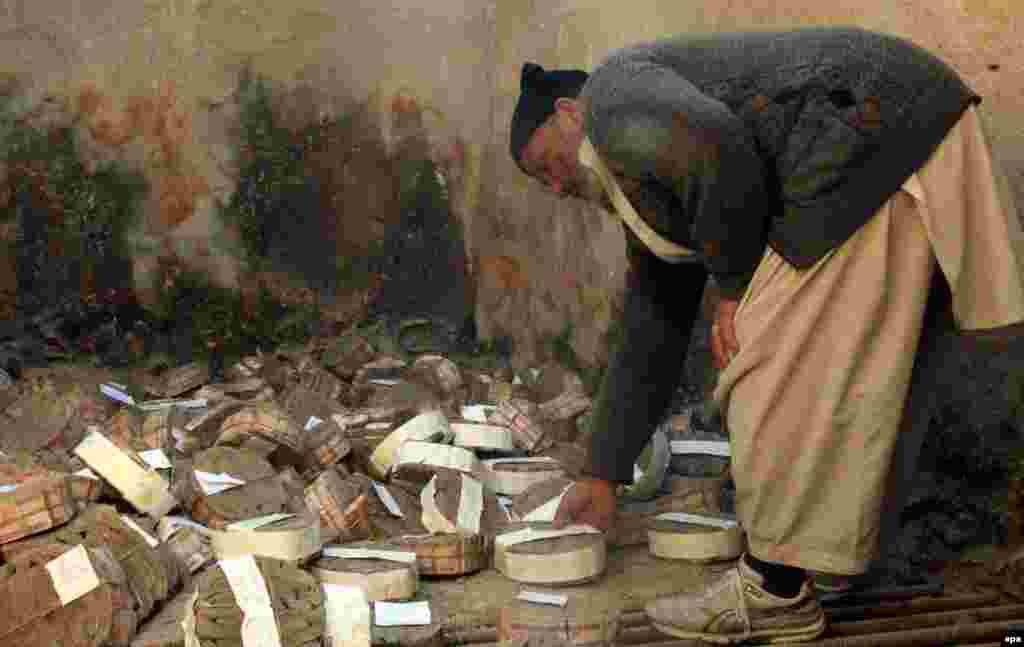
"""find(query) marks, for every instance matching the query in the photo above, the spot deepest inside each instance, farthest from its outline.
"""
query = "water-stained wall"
(155, 87)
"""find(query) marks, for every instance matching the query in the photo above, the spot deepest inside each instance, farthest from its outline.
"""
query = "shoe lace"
(741, 595)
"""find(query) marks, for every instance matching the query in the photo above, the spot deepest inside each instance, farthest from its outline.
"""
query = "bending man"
(819, 176)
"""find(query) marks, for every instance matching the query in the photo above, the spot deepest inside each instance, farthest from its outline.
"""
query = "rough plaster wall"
(555, 258)
(978, 37)
(153, 83)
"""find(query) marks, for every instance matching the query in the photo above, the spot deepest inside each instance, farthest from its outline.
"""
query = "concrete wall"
(152, 83)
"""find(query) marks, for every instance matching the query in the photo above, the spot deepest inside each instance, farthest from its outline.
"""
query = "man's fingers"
(593, 518)
(729, 341)
(717, 352)
(569, 507)
(724, 343)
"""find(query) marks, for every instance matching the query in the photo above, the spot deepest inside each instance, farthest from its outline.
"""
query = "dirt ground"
(632, 577)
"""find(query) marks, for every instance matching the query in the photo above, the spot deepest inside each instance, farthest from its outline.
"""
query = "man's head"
(547, 128)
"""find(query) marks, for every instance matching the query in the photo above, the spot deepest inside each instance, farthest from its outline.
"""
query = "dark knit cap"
(538, 90)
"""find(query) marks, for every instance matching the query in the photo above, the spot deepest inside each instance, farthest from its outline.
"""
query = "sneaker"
(735, 607)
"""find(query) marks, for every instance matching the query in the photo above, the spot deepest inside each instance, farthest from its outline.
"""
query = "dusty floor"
(631, 578)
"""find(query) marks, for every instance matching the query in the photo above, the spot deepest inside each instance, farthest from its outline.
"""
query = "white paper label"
(544, 512)
(139, 484)
(383, 382)
(388, 500)
(346, 616)
(432, 518)
(547, 511)
(209, 489)
(401, 614)
(73, 575)
(709, 447)
(524, 459)
(341, 552)
(467, 518)
(156, 458)
(5, 489)
(214, 483)
(116, 385)
(157, 405)
(167, 525)
(537, 597)
(476, 412)
(150, 539)
(259, 522)
(471, 505)
(482, 435)
(116, 394)
(506, 505)
(534, 534)
(436, 454)
(87, 473)
(697, 519)
(215, 488)
(312, 423)
(259, 629)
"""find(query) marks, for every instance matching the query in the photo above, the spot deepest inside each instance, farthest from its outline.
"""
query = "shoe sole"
(801, 634)
(826, 588)
(833, 590)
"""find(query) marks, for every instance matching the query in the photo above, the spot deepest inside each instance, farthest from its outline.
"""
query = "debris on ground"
(172, 508)
(303, 498)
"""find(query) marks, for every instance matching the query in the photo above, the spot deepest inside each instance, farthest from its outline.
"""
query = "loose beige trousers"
(813, 399)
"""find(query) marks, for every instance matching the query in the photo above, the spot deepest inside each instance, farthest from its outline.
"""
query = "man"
(818, 176)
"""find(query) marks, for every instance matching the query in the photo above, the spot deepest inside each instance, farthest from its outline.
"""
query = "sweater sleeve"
(653, 126)
(661, 303)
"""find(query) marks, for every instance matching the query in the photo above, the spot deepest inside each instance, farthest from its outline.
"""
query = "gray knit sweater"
(728, 143)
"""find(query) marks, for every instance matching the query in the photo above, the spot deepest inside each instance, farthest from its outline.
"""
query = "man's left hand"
(724, 344)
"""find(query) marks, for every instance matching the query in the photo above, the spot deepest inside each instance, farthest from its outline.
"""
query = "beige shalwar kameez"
(813, 399)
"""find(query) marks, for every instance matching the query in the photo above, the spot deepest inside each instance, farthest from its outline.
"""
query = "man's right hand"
(589, 501)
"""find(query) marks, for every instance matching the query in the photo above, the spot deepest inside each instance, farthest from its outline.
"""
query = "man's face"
(552, 157)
